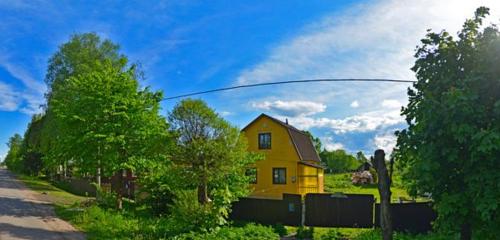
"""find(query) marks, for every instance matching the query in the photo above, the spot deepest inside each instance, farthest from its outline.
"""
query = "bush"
(331, 234)
(105, 199)
(191, 215)
(280, 229)
(374, 174)
(376, 235)
(305, 232)
(249, 231)
(99, 223)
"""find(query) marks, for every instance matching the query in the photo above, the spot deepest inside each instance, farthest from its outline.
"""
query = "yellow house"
(291, 163)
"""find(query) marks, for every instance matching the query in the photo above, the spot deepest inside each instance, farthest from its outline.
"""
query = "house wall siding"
(282, 154)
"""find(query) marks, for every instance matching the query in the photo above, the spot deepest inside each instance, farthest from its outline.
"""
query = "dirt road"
(22, 216)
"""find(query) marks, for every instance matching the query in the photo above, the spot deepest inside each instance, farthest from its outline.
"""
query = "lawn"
(342, 183)
(49, 192)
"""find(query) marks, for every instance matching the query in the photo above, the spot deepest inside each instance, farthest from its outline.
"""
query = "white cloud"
(291, 108)
(21, 74)
(364, 122)
(391, 103)
(355, 104)
(9, 100)
(225, 113)
(27, 101)
(32, 104)
(386, 141)
(371, 40)
(330, 145)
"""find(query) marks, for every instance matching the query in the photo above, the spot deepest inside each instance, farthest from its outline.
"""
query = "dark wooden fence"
(339, 210)
(333, 210)
(269, 211)
(409, 217)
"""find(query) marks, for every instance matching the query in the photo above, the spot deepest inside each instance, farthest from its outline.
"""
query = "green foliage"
(104, 116)
(331, 234)
(13, 160)
(339, 161)
(106, 224)
(31, 149)
(342, 183)
(280, 229)
(249, 231)
(82, 53)
(374, 174)
(305, 232)
(360, 156)
(80, 56)
(105, 199)
(157, 181)
(99, 223)
(452, 144)
(376, 234)
(210, 156)
(25, 155)
(192, 215)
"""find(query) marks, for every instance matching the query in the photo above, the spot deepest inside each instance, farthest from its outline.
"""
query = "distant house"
(291, 163)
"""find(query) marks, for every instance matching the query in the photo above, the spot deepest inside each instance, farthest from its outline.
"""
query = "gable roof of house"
(301, 141)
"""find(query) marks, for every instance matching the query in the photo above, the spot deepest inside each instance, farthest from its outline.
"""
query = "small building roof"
(302, 142)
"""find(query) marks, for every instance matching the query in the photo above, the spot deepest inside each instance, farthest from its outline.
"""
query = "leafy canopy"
(452, 145)
(104, 115)
(211, 156)
(13, 158)
(339, 161)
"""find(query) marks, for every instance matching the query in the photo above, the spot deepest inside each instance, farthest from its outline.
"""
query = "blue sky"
(187, 46)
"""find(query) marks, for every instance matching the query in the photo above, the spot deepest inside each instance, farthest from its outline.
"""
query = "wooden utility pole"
(384, 188)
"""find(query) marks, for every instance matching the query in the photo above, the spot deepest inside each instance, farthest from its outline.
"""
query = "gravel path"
(24, 216)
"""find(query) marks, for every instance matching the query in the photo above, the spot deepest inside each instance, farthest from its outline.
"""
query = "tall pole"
(384, 189)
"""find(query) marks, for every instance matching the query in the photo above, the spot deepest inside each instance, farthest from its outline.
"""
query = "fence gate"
(269, 211)
(409, 217)
(339, 210)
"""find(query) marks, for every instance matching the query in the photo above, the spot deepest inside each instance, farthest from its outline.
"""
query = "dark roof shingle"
(300, 139)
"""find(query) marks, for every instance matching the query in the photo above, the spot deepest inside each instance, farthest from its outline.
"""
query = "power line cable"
(293, 81)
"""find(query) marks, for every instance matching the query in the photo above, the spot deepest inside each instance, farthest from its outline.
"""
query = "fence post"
(384, 188)
(303, 215)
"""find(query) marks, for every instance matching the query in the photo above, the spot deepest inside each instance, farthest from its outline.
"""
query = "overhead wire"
(291, 82)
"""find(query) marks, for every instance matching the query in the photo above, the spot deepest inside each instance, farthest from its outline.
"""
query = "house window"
(279, 175)
(264, 140)
(251, 173)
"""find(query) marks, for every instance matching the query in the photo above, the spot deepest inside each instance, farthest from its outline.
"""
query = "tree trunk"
(119, 192)
(466, 232)
(384, 188)
(98, 174)
(202, 193)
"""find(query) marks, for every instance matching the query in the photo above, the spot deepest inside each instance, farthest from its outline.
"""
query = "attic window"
(264, 140)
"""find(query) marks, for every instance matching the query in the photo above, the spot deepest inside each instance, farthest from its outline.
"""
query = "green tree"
(13, 160)
(31, 152)
(339, 160)
(211, 155)
(360, 156)
(452, 143)
(82, 54)
(106, 120)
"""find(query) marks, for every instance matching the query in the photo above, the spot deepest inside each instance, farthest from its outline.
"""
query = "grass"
(135, 223)
(49, 192)
(342, 183)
